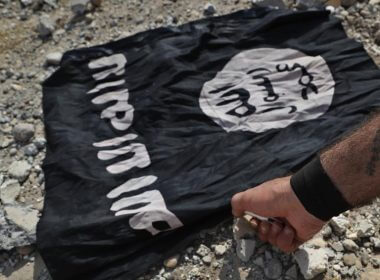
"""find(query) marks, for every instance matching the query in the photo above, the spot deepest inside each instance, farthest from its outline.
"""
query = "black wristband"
(317, 192)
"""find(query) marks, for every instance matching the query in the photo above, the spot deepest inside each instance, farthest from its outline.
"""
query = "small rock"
(207, 259)
(79, 7)
(26, 3)
(273, 269)
(316, 242)
(348, 3)
(377, 38)
(30, 150)
(209, 9)
(46, 26)
(245, 249)
(326, 231)
(171, 262)
(337, 246)
(269, 3)
(96, 3)
(40, 143)
(19, 170)
(365, 229)
(24, 217)
(203, 250)
(375, 242)
(311, 261)
(22, 132)
(9, 191)
(54, 58)
(349, 259)
(308, 4)
(370, 275)
(350, 245)
(220, 250)
(259, 262)
(364, 258)
(339, 224)
(292, 272)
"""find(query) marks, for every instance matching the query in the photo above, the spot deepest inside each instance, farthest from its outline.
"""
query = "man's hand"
(276, 199)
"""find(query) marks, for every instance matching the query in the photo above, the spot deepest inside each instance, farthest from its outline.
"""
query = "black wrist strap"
(317, 192)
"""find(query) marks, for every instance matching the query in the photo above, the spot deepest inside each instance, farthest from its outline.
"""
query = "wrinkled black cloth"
(199, 165)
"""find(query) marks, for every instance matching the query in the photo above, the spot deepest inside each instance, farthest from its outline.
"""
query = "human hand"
(276, 198)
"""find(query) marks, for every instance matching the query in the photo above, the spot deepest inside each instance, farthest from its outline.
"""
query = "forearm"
(353, 164)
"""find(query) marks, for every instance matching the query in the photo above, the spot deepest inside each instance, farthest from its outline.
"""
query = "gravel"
(33, 36)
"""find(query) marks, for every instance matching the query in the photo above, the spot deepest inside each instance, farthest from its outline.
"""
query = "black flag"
(150, 136)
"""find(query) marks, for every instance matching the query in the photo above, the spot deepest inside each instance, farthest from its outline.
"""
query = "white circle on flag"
(268, 88)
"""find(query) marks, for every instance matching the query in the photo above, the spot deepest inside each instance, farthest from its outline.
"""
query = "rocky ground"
(33, 35)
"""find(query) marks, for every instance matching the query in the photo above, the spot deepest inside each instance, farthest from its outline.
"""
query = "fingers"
(281, 236)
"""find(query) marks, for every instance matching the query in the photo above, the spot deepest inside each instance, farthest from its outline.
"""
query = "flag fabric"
(150, 136)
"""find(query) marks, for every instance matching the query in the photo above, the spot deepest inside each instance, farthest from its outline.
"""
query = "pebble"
(207, 259)
(245, 249)
(54, 58)
(171, 262)
(9, 191)
(23, 132)
(337, 246)
(375, 242)
(365, 229)
(209, 9)
(203, 250)
(349, 259)
(19, 170)
(307, 4)
(79, 7)
(273, 269)
(311, 261)
(348, 3)
(46, 26)
(220, 250)
(292, 272)
(364, 258)
(350, 245)
(40, 143)
(339, 224)
(30, 150)
(377, 38)
(326, 231)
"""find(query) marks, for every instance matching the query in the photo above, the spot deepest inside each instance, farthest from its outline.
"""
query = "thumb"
(267, 199)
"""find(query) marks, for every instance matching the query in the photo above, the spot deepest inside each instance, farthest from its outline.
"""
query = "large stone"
(9, 191)
(24, 217)
(311, 261)
(23, 132)
(12, 236)
(19, 170)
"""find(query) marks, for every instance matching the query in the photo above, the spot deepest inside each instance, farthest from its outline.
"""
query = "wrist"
(317, 193)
